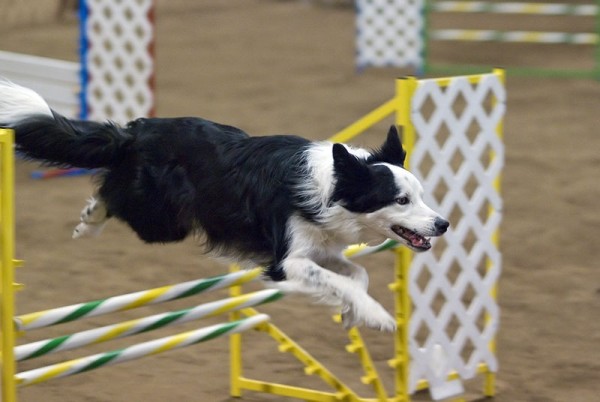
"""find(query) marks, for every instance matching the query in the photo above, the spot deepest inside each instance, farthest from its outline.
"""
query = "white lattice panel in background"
(458, 155)
(119, 60)
(388, 33)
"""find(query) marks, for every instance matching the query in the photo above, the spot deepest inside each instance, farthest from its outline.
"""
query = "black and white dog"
(283, 202)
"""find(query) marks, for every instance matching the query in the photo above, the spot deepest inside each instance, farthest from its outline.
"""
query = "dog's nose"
(441, 225)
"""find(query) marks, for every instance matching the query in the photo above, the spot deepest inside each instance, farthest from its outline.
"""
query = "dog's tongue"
(417, 240)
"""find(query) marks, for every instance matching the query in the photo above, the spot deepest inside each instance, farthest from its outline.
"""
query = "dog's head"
(386, 198)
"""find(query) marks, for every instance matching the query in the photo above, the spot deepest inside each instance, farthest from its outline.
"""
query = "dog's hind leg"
(306, 277)
(93, 218)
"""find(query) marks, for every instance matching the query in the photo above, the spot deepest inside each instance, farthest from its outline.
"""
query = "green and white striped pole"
(129, 301)
(153, 347)
(146, 324)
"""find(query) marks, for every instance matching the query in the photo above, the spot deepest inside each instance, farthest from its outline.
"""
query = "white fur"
(17, 102)
(320, 182)
(416, 215)
(93, 219)
(316, 266)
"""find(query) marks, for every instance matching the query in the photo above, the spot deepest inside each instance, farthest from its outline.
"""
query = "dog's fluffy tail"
(43, 134)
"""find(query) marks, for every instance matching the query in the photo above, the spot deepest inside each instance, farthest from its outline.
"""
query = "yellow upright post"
(7, 247)
(489, 385)
(235, 345)
(405, 88)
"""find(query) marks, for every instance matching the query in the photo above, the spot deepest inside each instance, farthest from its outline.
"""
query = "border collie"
(282, 202)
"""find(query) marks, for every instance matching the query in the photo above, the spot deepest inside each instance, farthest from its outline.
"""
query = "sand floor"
(287, 67)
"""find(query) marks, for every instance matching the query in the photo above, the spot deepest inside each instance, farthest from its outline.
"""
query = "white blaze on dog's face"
(386, 198)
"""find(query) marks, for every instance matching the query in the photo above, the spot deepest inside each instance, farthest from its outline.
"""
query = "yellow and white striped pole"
(146, 324)
(485, 35)
(129, 301)
(515, 8)
(153, 347)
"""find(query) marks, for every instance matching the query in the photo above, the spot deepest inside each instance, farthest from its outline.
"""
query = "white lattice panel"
(119, 61)
(457, 155)
(388, 33)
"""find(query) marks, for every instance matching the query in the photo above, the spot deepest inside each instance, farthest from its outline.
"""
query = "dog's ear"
(360, 187)
(348, 165)
(352, 175)
(391, 151)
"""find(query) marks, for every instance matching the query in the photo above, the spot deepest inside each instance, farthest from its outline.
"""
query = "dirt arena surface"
(287, 67)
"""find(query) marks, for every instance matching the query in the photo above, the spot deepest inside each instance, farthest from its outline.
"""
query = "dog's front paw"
(374, 317)
(384, 323)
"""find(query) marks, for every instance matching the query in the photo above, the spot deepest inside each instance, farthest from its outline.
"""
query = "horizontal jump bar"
(514, 8)
(475, 35)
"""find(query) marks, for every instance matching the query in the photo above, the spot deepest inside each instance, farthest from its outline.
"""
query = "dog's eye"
(402, 200)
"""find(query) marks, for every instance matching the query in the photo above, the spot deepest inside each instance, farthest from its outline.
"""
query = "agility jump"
(61, 315)
(380, 43)
(46, 318)
(414, 356)
(590, 39)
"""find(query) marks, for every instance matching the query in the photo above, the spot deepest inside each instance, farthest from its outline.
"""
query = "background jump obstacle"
(117, 59)
(400, 33)
(114, 78)
(445, 300)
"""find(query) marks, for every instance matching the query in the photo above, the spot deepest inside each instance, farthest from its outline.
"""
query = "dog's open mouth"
(415, 240)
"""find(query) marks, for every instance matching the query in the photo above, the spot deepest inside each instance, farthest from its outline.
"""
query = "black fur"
(58, 141)
(391, 151)
(167, 177)
(377, 186)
